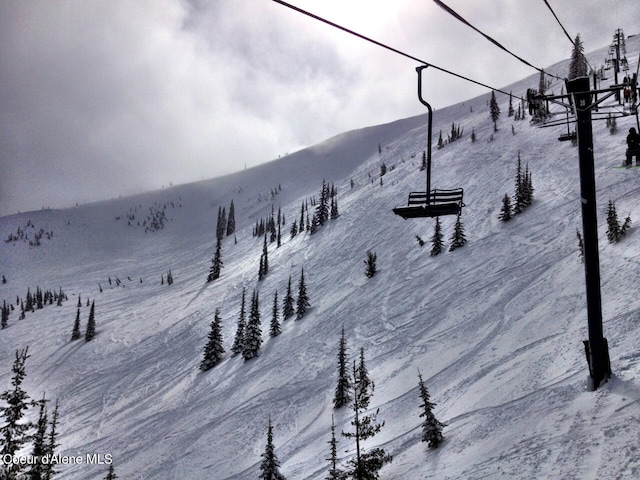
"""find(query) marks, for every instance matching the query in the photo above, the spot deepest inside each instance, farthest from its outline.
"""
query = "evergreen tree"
(287, 303)
(214, 350)
(231, 221)
(279, 237)
(216, 263)
(5, 315)
(75, 335)
(52, 444)
(264, 261)
(342, 394)
(580, 245)
(221, 227)
(303, 300)
(39, 440)
(437, 238)
(322, 210)
(528, 186)
(494, 111)
(274, 328)
(615, 231)
(370, 262)
(366, 464)
(458, 238)
(111, 475)
(334, 208)
(520, 197)
(270, 465)
(423, 164)
(294, 229)
(334, 472)
(238, 341)
(14, 433)
(510, 111)
(253, 331)
(505, 211)
(91, 324)
(431, 428)
(578, 66)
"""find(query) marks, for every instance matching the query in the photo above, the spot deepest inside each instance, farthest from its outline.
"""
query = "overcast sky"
(110, 97)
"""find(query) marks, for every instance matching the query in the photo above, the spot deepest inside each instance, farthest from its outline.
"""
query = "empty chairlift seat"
(436, 204)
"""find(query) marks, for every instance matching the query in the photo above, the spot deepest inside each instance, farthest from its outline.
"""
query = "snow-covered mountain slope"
(495, 327)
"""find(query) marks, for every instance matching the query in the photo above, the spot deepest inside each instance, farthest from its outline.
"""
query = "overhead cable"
(559, 22)
(395, 50)
(492, 40)
(565, 31)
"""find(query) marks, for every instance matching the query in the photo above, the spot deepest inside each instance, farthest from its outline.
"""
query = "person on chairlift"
(633, 147)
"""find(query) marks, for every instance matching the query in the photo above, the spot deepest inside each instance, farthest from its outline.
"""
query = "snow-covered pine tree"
(510, 111)
(91, 324)
(75, 335)
(264, 260)
(580, 245)
(270, 465)
(294, 229)
(216, 263)
(520, 202)
(342, 394)
(528, 186)
(334, 207)
(214, 350)
(578, 67)
(431, 427)
(273, 233)
(238, 341)
(370, 264)
(287, 302)
(39, 441)
(303, 299)
(52, 444)
(111, 474)
(5, 315)
(366, 464)
(253, 331)
(14, 434)
(437, 238)
(279, 244)
(458, 238)
(322, 210)
(274, 327)
(505, 212)
(615, 231)
(334, 472)
(231, 220)
(494, 111)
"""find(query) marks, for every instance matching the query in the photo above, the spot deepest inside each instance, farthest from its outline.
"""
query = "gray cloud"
(104, 98)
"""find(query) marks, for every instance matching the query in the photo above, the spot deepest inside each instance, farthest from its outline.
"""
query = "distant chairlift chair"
(430, 203)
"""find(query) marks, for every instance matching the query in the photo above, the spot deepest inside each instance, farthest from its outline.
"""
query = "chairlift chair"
(430, 203)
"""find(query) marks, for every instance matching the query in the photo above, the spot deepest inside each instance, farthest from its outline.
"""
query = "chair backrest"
(436, 197)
